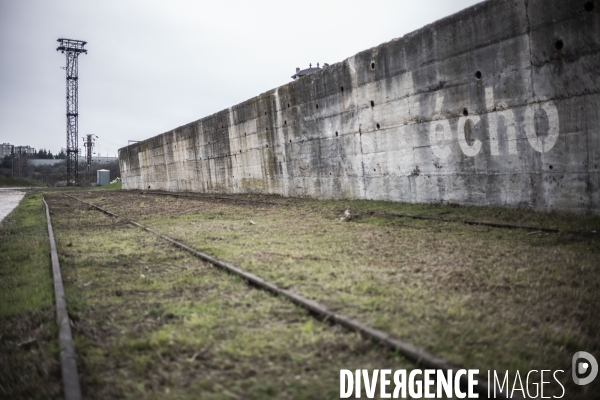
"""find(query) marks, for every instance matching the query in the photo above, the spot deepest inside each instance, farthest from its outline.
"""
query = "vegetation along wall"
(496, 105)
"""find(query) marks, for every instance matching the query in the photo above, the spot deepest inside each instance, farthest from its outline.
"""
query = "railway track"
(208, 197)
(283, 316)
(68, 359)
(209, 227)
(501, 225)
(418, 356)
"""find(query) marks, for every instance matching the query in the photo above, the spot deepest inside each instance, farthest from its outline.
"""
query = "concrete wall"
(483, 107)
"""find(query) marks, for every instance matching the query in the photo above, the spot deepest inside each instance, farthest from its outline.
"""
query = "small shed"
(102, 177)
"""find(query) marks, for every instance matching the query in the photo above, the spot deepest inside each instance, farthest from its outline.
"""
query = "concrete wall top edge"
(299, 87)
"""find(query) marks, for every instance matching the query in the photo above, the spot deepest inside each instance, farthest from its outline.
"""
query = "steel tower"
(89, 144)
(72, 49)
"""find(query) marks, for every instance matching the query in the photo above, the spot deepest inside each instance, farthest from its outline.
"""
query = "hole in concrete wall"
(342, 89)
(288, 105)
(465, 112)
(285, 122)
(374, 169)
(267, 145)
(478, 75)
(290, 140)
(372, 65)
(378, 126)
(244, 133)
(148, 186)
(240, 151)
(559, 44)
(372, 103)
(336, 134)
(551, 167)
(317, 106)
(589, 6)
(330, 173)
(265, 113)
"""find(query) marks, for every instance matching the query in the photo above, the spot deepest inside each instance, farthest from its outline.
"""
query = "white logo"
(582, 367)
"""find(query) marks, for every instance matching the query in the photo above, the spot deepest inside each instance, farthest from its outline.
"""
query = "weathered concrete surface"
(9, 200)
(483, 107)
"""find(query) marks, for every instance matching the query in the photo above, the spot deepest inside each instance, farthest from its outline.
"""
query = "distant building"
(24, 150)
(310, 70)
(99, 160)
(36, 162)
(5, 149)
(96, 160)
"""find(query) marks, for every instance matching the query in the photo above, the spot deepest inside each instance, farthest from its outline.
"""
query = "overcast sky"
(155, 65)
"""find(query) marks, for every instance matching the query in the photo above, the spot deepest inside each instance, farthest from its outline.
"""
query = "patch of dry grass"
(29, 366)
(482, 297)
(151, 321)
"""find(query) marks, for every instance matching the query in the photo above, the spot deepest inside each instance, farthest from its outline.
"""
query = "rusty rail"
(68, 360)
(210, 197)
(483, 223)
(398, 215)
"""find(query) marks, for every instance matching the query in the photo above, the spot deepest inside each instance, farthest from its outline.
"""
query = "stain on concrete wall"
(496, 105)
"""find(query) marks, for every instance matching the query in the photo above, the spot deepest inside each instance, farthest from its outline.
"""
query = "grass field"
(110, 186)
(18, 182)
(154, 322)
(28, 347)
(483, 297)
(151, 321)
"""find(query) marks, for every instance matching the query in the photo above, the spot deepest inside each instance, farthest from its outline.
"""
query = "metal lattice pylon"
(89, 144)
(72, 49)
